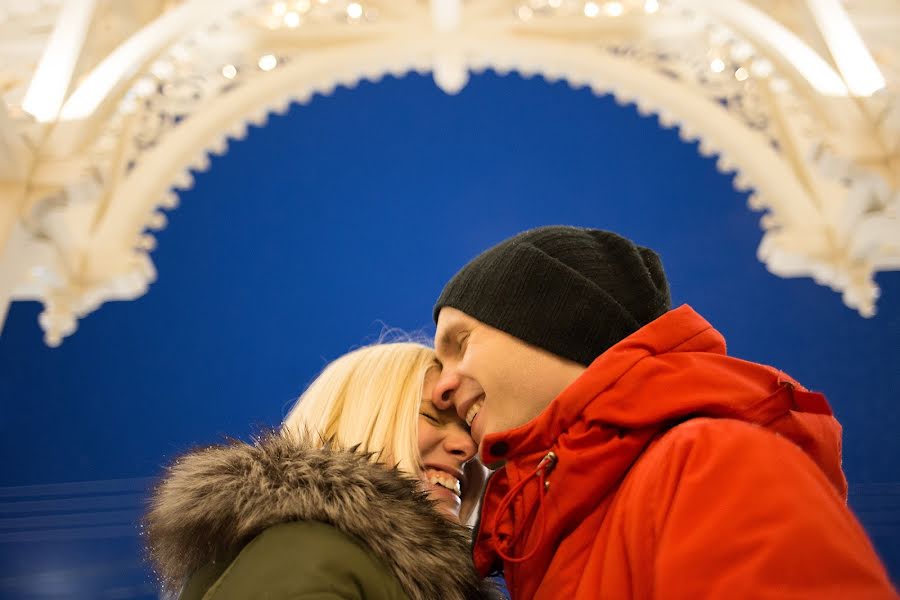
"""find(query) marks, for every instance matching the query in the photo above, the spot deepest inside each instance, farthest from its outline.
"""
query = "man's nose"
(444, 389)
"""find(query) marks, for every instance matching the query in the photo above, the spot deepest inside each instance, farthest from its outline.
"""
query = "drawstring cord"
(543, 469)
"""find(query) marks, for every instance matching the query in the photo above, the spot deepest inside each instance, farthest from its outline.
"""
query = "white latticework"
(107, 106)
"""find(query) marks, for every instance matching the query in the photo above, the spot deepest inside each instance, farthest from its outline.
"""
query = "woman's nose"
(460, 444)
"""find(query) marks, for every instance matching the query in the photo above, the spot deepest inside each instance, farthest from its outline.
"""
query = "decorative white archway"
(787, 94)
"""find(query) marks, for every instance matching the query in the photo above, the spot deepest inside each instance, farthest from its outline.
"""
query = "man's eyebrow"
(442, 343)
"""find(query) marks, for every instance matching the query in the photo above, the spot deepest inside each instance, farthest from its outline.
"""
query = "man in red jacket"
(635, 458)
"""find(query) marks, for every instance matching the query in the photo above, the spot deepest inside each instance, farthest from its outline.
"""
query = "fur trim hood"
(211, 502)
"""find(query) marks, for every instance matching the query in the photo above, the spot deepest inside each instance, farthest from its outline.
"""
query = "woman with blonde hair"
(359, 496)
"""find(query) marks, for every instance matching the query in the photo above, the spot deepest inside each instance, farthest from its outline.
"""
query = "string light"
(591, 9)
(145, 87)
(761, 68)
(229, 71)
(267, 62)
(279, 8)
(717, 65)
(741, 74)
(525, 13)
(741, 51)
(614, 9)
(651, 6)
(354, 10)
(162, 69)
(292, 19)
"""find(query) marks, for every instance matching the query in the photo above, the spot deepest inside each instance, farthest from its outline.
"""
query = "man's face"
(494, 381)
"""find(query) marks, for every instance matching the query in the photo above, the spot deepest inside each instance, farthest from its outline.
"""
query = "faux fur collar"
(212, 502)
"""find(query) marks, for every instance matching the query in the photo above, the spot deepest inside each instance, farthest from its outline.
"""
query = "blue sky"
(348, 214)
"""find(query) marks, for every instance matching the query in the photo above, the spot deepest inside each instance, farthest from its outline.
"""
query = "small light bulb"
(741, 51)
(651, 6)
(354, 10)
(761, 68)
(145, 87)
(279, 8)
(525, 13)
(267, 62)
(229, 71)
(717, 65)
(128, 105)
(162, 69)
(292, 19)
(741, 74)
(591, 9)
(614, 9)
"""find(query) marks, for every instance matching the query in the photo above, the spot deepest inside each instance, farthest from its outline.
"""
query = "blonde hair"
(369, 398)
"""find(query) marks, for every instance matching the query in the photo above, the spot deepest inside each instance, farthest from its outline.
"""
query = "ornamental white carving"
(107, 107)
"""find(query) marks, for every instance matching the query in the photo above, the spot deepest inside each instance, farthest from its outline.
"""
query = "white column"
(51, 80)
(853, 59)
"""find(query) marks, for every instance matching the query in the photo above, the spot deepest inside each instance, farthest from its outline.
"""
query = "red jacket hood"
(675, 368)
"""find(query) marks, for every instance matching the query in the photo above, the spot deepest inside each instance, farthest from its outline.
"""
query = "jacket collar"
(211, 502)
(679, 330)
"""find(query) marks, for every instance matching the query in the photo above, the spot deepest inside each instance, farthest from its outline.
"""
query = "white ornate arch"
(88, 177)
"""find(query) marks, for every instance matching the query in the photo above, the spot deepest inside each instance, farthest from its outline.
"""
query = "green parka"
(279, 519)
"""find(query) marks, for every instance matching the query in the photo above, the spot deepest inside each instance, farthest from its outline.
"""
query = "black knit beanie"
(572, 291)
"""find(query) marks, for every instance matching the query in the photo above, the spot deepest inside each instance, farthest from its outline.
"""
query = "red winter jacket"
(676, 472)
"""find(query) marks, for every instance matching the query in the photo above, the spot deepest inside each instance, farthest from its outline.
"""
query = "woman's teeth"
(444, 480)
(473, 410)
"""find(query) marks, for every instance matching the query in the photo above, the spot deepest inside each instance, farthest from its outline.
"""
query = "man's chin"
(491, 462)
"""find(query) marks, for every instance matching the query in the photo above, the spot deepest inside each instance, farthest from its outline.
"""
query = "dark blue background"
(349, 214)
